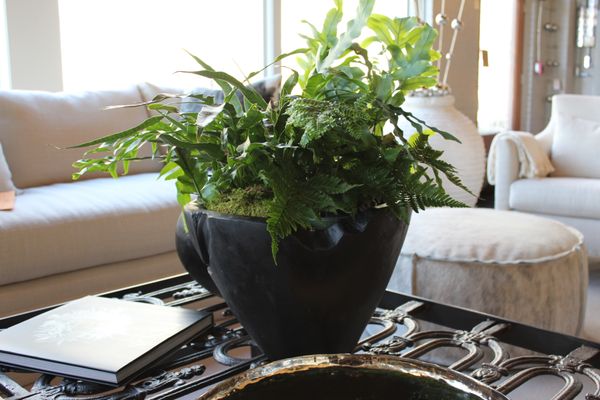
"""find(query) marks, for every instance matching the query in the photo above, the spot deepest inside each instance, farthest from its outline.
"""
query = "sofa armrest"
(506, 170)
(514, 155)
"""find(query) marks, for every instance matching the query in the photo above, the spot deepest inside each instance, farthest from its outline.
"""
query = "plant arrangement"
(330, 144)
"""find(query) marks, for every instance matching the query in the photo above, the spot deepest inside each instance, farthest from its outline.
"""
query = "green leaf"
(209, 192)
(416, 121)
(163, 107)
(225, 87)
(289, 84)
(248, 92)
(183, 193)
(420, 50)
(315, 84)
(112, 170)
(170, 171)
(200, 61)
(276, 60)
(418, 83)
(208, 114)
(331, 22)
(158, 98)
(397, 99)
(330, 184)
(244, 146)
(351, 72)
(353, 30)
(211, 149)
(381, 26)
(384, 87)
(392, 154)
(252, 118)
(413, 69)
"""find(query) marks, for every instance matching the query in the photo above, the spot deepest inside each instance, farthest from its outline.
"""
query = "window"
(496, 95)
(111, 43)
(108, 43)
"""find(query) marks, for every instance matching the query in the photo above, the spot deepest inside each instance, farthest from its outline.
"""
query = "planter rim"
(328, 220)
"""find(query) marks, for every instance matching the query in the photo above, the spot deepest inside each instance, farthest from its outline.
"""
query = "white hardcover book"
(100, 339)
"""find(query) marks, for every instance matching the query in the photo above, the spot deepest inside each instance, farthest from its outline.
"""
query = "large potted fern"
(299, 207)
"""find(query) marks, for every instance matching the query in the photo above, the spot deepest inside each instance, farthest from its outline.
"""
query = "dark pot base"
(323, 290)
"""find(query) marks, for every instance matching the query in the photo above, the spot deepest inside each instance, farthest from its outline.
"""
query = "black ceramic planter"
(190, 259)
(323, 290)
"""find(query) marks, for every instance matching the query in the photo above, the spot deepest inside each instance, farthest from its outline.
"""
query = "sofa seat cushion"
(70, 226)
(572, 197)
(36, 127)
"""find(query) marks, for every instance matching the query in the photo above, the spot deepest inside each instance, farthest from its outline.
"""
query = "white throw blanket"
(533, 160)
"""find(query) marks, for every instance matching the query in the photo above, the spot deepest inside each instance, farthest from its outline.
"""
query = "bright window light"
(496, 94)
(111, 43)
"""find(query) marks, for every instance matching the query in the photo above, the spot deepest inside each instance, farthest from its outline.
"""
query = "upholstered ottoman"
(518, 266)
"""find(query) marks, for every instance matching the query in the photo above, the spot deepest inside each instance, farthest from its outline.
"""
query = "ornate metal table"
(519, 361)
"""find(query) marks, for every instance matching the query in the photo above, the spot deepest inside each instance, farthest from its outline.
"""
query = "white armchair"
(571, 194)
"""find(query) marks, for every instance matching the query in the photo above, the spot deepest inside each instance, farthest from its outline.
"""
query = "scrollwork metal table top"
(506, 355)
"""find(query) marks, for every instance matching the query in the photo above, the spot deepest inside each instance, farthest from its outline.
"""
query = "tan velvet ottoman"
(518, 266)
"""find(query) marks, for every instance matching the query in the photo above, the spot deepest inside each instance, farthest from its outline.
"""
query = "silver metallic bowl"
(351, 377)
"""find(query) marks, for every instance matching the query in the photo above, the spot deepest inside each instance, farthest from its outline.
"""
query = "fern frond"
(298, 203)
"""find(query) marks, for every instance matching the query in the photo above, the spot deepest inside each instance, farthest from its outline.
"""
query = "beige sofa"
(64, 239)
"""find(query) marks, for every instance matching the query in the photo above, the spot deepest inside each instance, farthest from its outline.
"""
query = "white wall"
(34, 44)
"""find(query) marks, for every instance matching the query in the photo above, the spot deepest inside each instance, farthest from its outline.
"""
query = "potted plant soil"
(298, 207)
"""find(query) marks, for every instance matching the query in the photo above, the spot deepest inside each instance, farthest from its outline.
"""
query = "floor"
(591, 324)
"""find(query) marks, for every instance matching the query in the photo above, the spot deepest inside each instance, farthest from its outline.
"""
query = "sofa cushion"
(572, 197)
(55, 289)
(575, 147)
(70, 226)
(34, 126)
